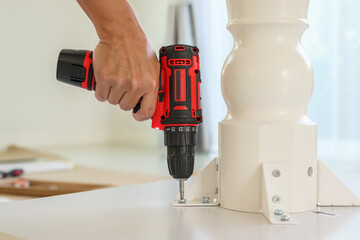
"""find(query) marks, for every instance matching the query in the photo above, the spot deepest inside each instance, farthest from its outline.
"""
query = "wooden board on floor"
(89, 175)
(5, 236)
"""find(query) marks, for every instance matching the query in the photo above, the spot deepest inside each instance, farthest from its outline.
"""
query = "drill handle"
(75, 67)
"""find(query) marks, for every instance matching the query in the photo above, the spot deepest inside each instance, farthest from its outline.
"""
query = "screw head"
(205, 199)
(278, 212)
(276, 173)
(285, 218)
(182, 201)
(276, 199)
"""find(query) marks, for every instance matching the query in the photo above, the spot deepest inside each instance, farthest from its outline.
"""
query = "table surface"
(143, 212)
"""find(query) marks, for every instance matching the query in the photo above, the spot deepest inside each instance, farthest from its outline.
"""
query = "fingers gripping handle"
(75, 67)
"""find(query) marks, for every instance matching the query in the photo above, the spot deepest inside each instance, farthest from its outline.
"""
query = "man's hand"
(125, 72)
(125, 65)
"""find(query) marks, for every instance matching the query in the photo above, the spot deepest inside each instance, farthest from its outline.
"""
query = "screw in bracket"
(205, 199)
(278, 212)
(276, 199)
(182, 200)
(276, 173)
(285, 218)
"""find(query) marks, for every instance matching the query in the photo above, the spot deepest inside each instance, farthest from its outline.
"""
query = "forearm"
(112, 19)
(125, 65)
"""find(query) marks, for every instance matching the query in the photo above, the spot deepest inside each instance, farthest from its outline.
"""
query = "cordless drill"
(178, 112)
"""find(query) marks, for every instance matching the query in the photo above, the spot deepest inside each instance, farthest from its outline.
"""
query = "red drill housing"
(178, 111)
(178, 102)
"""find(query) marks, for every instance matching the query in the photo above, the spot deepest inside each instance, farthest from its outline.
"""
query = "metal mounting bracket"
(276, 193)
(332, 191)
(203, 190)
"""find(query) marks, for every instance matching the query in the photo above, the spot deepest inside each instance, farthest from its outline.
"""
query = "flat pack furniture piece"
(267, 160)
(143, 211)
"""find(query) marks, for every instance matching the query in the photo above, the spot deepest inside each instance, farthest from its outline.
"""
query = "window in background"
(333, 44)
(215, 43)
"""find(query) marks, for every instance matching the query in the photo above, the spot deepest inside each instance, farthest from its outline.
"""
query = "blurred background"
(333, 45)
(37, 111)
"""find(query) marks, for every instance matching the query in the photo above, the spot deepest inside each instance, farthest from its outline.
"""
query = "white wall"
(36, 110)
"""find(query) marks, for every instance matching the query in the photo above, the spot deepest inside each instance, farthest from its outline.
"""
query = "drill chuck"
(180, 142)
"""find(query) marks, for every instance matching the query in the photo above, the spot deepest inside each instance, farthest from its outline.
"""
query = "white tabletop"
(144, 212)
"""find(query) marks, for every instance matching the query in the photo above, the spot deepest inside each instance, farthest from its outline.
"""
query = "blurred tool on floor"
(13, 173)
(15, 161)
(178, 110)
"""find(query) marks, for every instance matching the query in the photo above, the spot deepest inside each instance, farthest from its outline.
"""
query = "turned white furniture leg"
(267, 143)
(267, 82)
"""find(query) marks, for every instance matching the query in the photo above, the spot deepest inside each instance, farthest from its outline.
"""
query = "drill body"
(178, 112)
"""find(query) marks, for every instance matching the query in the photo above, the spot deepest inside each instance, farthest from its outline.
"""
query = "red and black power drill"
(178, 110)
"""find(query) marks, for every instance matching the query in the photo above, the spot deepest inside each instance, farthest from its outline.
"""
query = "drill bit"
(181, 189)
